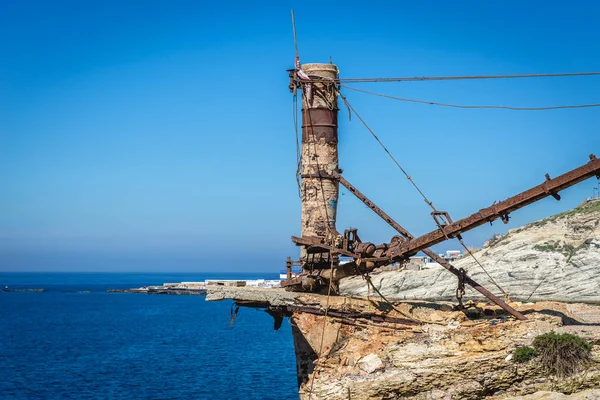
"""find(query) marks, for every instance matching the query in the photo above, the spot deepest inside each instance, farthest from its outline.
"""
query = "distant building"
(417, 263)
(452, 255)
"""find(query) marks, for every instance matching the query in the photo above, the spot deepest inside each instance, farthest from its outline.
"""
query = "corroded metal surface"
(374, 207)
(319, 153)
(321, 244)
(406, 245)
(319, 123)
(407, 236)
(500, 210)
(402, 247)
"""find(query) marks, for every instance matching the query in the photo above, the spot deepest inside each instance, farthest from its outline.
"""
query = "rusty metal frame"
(319, 124)
(408, 237)
(402, 247)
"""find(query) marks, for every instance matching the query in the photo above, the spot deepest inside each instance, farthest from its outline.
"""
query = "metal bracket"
(293, 86)
(444, 220)
(553, 194)
(592, 158)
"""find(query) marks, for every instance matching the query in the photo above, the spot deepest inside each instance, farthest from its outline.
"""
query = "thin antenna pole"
(294, 29)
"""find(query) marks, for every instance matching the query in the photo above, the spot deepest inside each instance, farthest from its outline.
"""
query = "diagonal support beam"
(429, 252)
(550, 187)
(374, 207)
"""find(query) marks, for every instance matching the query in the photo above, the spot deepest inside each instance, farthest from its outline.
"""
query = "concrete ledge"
(273, 297)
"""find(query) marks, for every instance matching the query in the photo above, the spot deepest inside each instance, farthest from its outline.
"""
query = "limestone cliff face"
(358, 347)
(448, 357)
(557, 258)
(454, 355)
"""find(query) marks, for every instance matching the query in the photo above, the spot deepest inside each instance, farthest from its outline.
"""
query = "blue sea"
(76, 341)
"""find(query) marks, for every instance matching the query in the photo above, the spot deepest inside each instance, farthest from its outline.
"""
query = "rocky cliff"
(459, 355)
(556, 258)
(449, 356)
(357, 346)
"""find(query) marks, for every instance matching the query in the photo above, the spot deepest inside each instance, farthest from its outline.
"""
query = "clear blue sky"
(145, 135)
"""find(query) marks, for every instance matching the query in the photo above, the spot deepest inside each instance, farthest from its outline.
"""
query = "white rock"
(453, 324)
(556, 258)
(370, 363)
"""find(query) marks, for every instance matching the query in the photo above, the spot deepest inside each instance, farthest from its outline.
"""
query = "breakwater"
(198, 288)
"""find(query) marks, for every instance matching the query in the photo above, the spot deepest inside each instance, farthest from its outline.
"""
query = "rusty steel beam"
(468, 280)
(375, 209)
(292, 281)
(320, 245)
(500, 210)
(353, 315)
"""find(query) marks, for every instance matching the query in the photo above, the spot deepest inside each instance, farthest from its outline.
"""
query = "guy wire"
(415, 185)
(472, 106)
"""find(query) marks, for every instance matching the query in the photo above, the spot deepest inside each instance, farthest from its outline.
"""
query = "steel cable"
(463, 77)
(415, 186)
(434, 103)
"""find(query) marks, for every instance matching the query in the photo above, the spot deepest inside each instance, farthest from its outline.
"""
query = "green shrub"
(524, 354)
(562, 354)
(550, 247)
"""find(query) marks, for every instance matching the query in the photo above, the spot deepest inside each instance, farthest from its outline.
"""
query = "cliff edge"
(549, 267)
(449, 356)
(416, 346)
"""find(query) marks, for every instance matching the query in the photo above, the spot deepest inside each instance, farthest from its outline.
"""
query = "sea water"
(75, 340)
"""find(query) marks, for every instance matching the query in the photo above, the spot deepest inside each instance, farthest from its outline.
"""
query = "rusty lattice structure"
(321, 244)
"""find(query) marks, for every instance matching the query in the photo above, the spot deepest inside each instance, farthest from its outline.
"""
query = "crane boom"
(499, 210)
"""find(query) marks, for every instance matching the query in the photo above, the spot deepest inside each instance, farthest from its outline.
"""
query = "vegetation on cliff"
(584, 208)
(560, 355)
(524, 354)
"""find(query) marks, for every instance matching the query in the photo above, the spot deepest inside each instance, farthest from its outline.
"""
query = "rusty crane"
(322, 245)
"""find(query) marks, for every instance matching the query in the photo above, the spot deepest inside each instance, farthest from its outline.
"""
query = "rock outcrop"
(455, 355)
(448, 357)
(359, 348)
(417, 347)
(556, 258)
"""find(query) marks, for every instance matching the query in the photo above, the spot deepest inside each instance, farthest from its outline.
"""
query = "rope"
(330, 255)
(312, 131)
(506, 296)
(472, 107)
(370, 284)
(408, 316)
(295, 116)
(386, 150)
(298, 152)
(324, 324)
